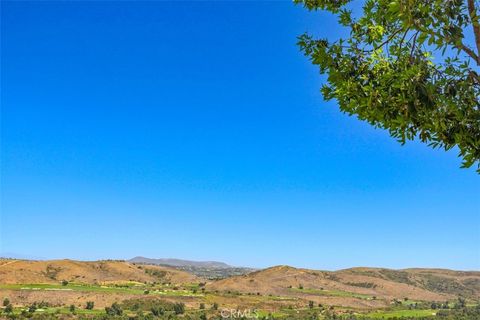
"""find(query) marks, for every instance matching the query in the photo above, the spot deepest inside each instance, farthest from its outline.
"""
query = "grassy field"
(298, 308)
(63, 310)
(135, 289)
(333, 293)
(401, 313)
(72, 287)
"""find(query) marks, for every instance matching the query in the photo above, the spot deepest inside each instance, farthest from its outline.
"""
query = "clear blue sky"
(196, 130)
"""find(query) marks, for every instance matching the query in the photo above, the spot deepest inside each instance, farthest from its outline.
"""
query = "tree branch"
(413, 44)
(459, 45)
(388, 39)
(470, 52)
(476, 25)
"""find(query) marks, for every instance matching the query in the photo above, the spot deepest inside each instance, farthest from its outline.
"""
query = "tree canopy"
(406, 66)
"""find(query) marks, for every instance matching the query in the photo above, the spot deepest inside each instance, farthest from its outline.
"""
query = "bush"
(179, 308)
(146, 304)
(90, 305)
(157, 311)
(8, 308)
(32, 308)
(114, 310)
(6, 302)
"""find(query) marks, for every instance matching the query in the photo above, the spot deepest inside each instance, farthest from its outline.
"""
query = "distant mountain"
(181, 263)
(212, 270)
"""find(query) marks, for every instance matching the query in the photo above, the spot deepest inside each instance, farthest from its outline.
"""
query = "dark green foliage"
(460, 304)
(148, 305)
(405, 67)
(114, 310)
(90, 305)
(459, 314)
(52, 272)
(156, 273)
(72, 308)
(6, 302)
(64, 282)
(157, 307)
(179, 308)
(157, 311)
(445, 285)
(397, 276)
(8, 308)
(362, 284)
(32, 307)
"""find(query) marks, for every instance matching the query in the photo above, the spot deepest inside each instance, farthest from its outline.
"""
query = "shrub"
(114, 310)
(8, 308)
(179, 308)
(157, 311)
(32, 308)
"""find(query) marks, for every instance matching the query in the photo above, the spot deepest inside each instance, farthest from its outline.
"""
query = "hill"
(87, 272)
(273, 289)
(368, 283)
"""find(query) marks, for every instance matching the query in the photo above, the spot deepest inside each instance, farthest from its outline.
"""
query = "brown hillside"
(96, 272)
(386, 284)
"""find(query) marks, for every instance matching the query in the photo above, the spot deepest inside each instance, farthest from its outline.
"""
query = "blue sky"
(196, 130)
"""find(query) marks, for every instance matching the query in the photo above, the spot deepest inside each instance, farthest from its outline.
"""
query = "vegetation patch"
(368, 285)
(397, 276)
(402, 314)
(445, 285)
(334, 293)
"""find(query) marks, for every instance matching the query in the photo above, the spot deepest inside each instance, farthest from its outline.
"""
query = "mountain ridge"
(179, 262)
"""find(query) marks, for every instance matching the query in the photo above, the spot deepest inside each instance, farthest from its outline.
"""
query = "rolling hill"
(275, 288)
(87, 272)
(369, 283)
